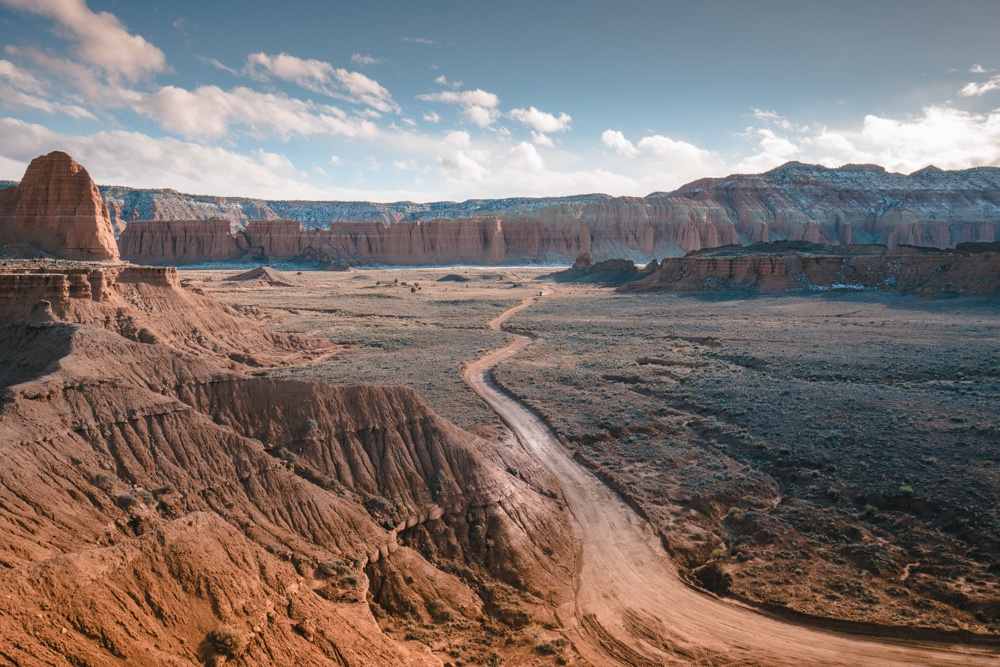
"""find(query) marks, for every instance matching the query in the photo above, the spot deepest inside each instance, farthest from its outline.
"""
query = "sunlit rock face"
(58, 209)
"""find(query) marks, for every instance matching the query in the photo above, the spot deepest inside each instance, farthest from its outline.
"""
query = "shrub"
(126, 501)
(227, 640)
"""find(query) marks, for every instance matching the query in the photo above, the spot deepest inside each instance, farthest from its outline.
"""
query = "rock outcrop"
(179, 242)
(970, 270)
(131, 204)
(158, 509)
(855, 204)
(58, 209)
(147, 304)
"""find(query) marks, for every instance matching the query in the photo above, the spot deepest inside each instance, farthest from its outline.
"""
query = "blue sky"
(428, 100)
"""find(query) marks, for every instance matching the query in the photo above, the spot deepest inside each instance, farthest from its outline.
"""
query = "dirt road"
(632, 608)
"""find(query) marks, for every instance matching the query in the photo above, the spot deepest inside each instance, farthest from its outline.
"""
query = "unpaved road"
(631, 607)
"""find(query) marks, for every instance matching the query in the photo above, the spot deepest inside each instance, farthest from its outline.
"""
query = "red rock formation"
(145, 303)
(150, 498)
(58, 208)
(795, 202)
(179, 242)
(926, 273)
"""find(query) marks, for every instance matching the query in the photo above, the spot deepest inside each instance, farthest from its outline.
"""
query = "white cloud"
(209, 113)
(101, 38)
(973, 89)
(946, 137)
(463, 167)
(541, 121)
(322, 77)
(443, 81)
(542, 139)
(458, 139)
(432, 117)
(479, 106)
(362, 60)
(134, 159)
(977, 69)
(336, 160)
(617, 142)
(417, 40)
(773, 117)
(19, 78)
(525, 156)
(19, 89)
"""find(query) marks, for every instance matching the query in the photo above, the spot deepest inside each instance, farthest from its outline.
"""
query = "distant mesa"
(849, 205)
(970, 269)
(57, 208)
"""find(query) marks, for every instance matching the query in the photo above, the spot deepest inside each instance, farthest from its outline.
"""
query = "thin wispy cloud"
(364, 60)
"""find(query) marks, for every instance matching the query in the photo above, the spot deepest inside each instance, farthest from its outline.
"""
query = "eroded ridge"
(631, 607)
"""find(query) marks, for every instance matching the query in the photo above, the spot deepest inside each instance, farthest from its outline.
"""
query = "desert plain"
(826, 458)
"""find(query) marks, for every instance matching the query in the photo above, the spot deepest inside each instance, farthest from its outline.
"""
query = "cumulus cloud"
(540, 121)
(773, 151)
(432, 117)
(977, 69)
(362, 60)
(322, 77)
(946, 137)
(617, 142)
(973, 89)
(139, 160)
(209, 113)
(525, 156)
(542, 139)
(479, 106)
(101, 39)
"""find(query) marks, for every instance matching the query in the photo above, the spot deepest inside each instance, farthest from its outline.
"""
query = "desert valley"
(752, 424)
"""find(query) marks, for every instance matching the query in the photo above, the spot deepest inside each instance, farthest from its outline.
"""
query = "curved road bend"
(631, 607)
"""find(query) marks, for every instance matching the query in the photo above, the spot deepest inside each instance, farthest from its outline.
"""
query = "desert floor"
(824, 456)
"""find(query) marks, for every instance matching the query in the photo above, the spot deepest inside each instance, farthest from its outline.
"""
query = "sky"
(429, 100)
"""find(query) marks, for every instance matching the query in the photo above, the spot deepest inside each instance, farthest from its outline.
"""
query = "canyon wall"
(970, 270)
(57, 209)
(854, 204)
(179, 241)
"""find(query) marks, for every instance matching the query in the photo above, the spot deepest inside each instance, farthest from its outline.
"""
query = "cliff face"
(147, 304)
(57, 208)
(855, 204)
(179, 241)
(852, 204)
(967, 271)
(127, 205)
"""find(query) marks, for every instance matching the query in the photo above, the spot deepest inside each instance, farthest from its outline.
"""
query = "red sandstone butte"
(58, 208)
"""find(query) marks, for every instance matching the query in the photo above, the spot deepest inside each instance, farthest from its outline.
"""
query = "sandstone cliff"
(179, 242)
(160, 510)
(855, 204)
(147, 304)
(971, 269)
(127, 205)
(58, 209)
